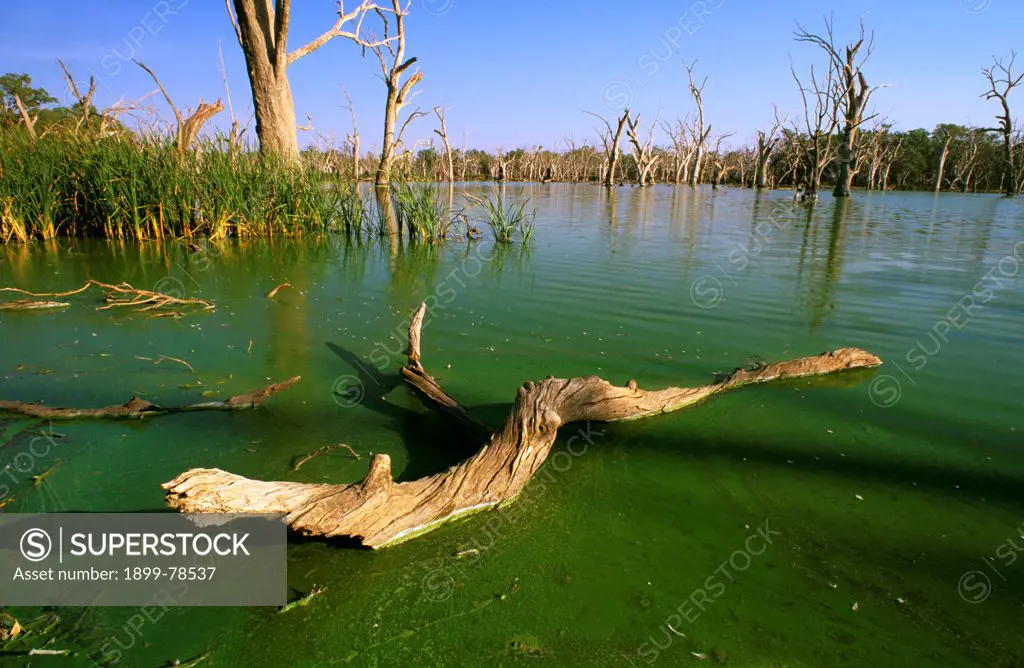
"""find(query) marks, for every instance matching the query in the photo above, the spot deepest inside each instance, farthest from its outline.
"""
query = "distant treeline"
(970, 160)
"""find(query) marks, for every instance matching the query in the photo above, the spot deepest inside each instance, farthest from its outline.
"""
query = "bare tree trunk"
(643, 155)
(443, 134)
(29, 121)
(610, 139)
(262, 32)
(353, 138)
(848, 97)
(766, 143)
(1001, 82)
(942, 163)
(398, 93)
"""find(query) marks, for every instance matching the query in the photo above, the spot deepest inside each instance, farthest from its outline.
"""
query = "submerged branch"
(137, 408)
(121, 294)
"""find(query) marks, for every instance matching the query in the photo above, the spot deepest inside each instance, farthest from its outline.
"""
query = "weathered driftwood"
(31, 304)
(123, 294)
(378, 511)
(137, 408)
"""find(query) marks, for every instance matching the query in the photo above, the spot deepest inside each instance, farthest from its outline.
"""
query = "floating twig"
(38, 479)
(286, 284)
(165, 357)
(304, 601)
(174, 359)
(322, 451)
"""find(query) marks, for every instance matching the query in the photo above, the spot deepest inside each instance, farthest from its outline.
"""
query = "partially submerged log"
(31, 304)
(379, 512)
(136, 408)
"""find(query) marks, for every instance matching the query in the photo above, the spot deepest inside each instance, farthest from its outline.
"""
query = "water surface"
(850, 520)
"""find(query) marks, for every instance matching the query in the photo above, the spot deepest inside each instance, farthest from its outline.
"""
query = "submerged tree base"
(379, 512)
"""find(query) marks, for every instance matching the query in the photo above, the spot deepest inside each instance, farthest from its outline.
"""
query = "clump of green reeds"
(506, 219)
(422, 211)
(129, 186)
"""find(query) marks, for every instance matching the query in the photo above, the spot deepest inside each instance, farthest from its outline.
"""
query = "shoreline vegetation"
(129, 186)
(76, 170)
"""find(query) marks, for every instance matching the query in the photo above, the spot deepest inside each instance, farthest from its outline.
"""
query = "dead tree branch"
(380, 512)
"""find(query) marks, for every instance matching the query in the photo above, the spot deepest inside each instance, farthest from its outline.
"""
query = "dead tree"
(943, 154)
(965, 160)
(698, 133)
(186, 127)
(889, 155)
(610, 140)
(820, 120)
(378, 511)
(84, 100)
(643, 153)
(718, 172)
(1001, 81)
(29, 121)
(849, 94)
(390, 53)
(682, 149)
(353, 138)
(262, 31)
(442, 132)
(766, 142)
(878, 141)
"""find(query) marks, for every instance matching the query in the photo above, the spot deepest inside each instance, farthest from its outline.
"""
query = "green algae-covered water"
(874, 518)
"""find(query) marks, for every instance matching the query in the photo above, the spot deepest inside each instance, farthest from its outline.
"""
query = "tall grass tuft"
(506, 219)
(422, 211)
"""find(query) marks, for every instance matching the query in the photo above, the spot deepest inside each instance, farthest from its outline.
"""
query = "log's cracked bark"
(379, 512)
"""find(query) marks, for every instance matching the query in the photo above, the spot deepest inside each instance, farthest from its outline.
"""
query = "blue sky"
(520, 73)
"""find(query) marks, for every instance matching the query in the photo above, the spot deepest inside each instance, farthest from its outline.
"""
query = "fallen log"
(136, 408)
(379, 512)
(31, 304)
